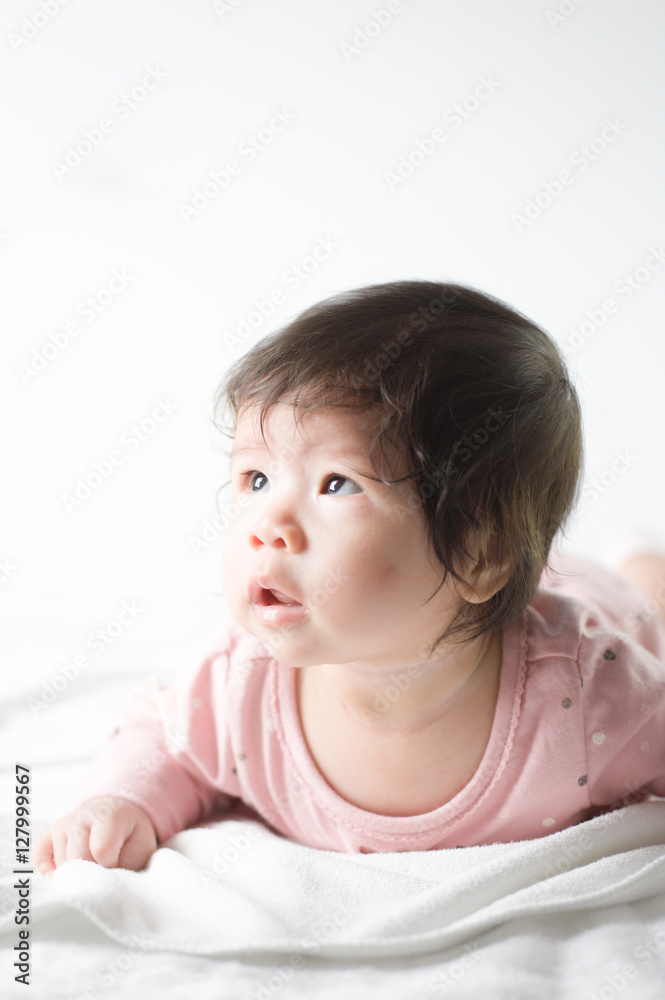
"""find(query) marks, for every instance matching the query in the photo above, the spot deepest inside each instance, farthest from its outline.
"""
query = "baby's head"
(474, 422)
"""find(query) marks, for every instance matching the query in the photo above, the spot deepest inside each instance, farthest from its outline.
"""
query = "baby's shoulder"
(618, 675)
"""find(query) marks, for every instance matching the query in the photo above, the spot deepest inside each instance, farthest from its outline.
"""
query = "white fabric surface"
(236, 890)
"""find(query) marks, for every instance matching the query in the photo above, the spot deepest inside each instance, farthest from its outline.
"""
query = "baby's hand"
(111, 831)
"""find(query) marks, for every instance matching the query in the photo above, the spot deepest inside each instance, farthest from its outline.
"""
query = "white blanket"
(236, 890)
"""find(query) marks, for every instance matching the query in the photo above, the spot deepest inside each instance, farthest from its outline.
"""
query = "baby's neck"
(412, 699)
(408, 755)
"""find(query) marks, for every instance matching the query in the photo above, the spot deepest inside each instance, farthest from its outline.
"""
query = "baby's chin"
(284, 645)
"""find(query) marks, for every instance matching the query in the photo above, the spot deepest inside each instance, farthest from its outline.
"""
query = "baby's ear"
(487, 572)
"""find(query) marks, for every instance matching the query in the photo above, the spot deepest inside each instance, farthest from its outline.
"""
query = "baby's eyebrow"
(346, 455)
(257, 447)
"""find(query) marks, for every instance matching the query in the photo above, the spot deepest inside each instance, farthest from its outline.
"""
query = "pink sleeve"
(170, 750)
(621, 661)
(623, 695)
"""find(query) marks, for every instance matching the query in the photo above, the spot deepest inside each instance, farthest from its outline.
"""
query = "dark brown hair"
(475, 395)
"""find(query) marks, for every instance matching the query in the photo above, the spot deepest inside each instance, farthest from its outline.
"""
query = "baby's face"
(348, 556)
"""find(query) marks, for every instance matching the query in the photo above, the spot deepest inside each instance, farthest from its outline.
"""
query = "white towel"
(234, 888)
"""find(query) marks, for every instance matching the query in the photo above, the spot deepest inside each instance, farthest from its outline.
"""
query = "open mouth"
(273, 607)
(267, 598)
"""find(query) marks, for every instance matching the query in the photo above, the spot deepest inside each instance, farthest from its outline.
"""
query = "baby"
(406, 665)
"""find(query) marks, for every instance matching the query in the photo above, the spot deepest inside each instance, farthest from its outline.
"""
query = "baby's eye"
(254, 478)
(342, 490)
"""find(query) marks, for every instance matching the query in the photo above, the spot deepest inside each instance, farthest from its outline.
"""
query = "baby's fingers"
(61, 844)
(106, 841)
(138, 848)
(75, 843)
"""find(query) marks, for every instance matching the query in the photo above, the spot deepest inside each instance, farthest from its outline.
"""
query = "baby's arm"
(111, 831)
(161, 771)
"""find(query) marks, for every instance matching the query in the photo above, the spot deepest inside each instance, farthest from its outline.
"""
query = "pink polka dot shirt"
(579, 729)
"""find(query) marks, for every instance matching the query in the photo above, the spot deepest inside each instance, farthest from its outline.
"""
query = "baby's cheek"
(376, 581)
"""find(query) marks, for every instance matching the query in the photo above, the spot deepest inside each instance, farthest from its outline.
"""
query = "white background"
(358, 104)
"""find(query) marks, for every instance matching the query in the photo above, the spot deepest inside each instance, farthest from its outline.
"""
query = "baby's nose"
(278, 532)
